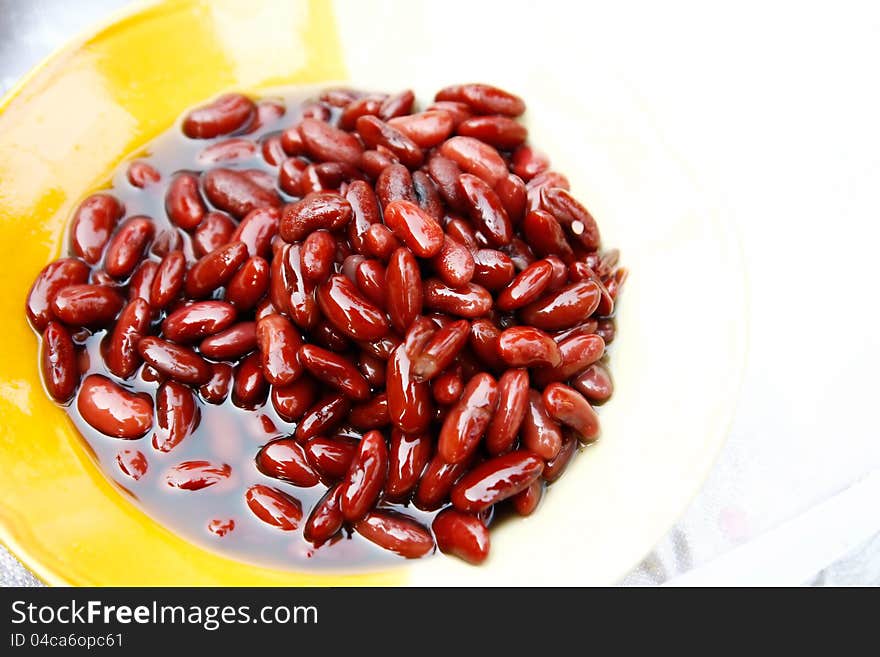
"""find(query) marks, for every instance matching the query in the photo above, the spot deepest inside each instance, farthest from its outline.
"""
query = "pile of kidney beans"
(418, 296)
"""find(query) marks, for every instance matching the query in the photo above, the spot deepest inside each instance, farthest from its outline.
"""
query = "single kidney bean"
(404, 289)
(409, 454)
(475, 157)
(292, 141)
(112, 410)
(484, 342)
(568, 406)
(142, 174)
(367, 106)
(292, 175)
(462, 535)
(606, 330)
(484, 99)
(594, 383)
(231, 343)
(317, 255)
(196, 475)
(326, 518)
(365, 212)
(382, 348)
(228, 150)
(101, 277)
(134, 323)
(372, 368)
(54, 277)
(441, 350)
(317, 111)
(168, 280)
(454, 263)
(540, 433)
(127, 245)
(447, 387)
(436, 482)
(285, 459)
(373, 163)
(422, 329)
(370, 278)
(248, 285)
(335, 370)
(468, 420)
(86, 305)
(279, 342)
(217, 387)
(289, 290)
(513, 401)
(526, 346)
(409, 402)
(545, 235)
(445, 173)
(345, 308)
(291, 401)
(319, 210)
(371, 414)
(327, 176)
(397, 105)
(274, 507)
(365, 478)
(375, 132)
(562, 205)
(237, 193)
(526, 501)
(563, 308)
(331, 457)
(426, 129)
(560, 272)
(325, 414)
(539, 183)
(502, 132)
(132, 463)
(215, 230)
(395, 183)
(226, 114)
(492, 269)
(578, 352)
(328, 144)
(396, 533)
(329, 337)
(183, 201)
(174, 361)
(461, 231)
(141, 281)
(272, 150)
(249, 386)
(528, 163)
(166, 241)
(428, 195)
(198, 320)
(511, 191)
(486, 210)
(215, 270)
(527, 286)
(58, 362)
(177, 414)
(93, 222)
(268, 111)
(496, 479)
(380, 242)
(556, 466)
(458, 111)
(467, 301)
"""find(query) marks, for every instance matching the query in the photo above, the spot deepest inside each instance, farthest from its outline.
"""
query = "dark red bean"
(112, 410)
(198, 320)
(371, 414)
(134, 323)
(370, 278)
(177, 415)
(486, 210)
(372, 368)
(142, 174)
(328, 144)
(468, 301)
(373, 163)
(441, 350)
(86, 305)
(447, 387)
(331, 457)
(375, 132)
(285, 459)
(466, 423)
(168, 280)
(289, 289)
(292, 175)
(461, 231)
(132, 463)
(567, 210)
(436, 482)
(594, 383)
(527, 286)
(484, 341)
(326, 518)
(183, 201)
(58, 362)
(93, 222)
(272, 150)
(348, 311)
(461, 535)
(409, 401)
(484, 99)
(196, 475)
(513, 401)
(428, 195)
(334, 370)
(578, 352)
(141, 281)
(234, 342)
(458, 111)
(511, 191)
(249, 386)
(329, 337)
(409, 454)
(274, 507)
(215, 270)
(395, 183)
(563, 308)
(540, 433)
(404, 289)
(226, 114)
(492, 269)
(365, 478)
(397, 105)
(166, 241)
(568, 406)
(454, 263)
(557, 465)
(368, 106)
(526, 346)
(293, 400)
(215, 230)
(445, 173)
(528, 163)
(475, 157)
(228, 150)
(127, 246)
(545, 235)
(54, 277)
(526, 501)
(502, 132)
(237, 193)
(365, 212)
(318, 254)
(216, 389)
(174, 361)
(396, 533)
(248, 285)
(279, 343)
(426, 129)
(380, 242)
(320, 210)
(494, 480)
(325, 414)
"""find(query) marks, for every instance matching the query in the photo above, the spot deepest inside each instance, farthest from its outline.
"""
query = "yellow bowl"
(677, 361)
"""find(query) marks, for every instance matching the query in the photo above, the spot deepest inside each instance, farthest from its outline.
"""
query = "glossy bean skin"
(93, 222)
(418, 230)
(326, 518)
(325, 414)
(568, 406)
(441, 350)
(371, 414)
(594, 383)
(484, 99)
(365, 212)
(318, 253)
(126, 246)
(224, 115)
(561, 204)
(578, 352)
(409, 400)
(331, 457)
(445, 173)
(447, 387)
(198, 320)
(86, 305)
(122, 357)
(486, 210)
(183, 202)
(513, 403)
(54, 277)
(132, 463)
(113, 411)
(231, 343)
(365, 478)
(279, 344)
(556, 466)
(468, 301)
(177, 415)
(436, 482)
(502, 132)
(58, 363)
(216, 389)
(563, 308)
(380, 242)
(526, 287)
(395, 183)
(168, 280)
(526, 501)
(348, 311)
(142, 174)
(227, 150)
(397, 105)
(526, 346)
(409, 454)
(293, 400)
(484, 341)
(257, 229)
(249, 386)
(466, 423)
(235, 192)
(475, 157)
(215, 230)
(528, 163)
(495, 480)
(274, 507)
(396, 533)
(426, 129)
(540, 433)
(462, 535)
(454, 263)
(328, 144)
(493, 269)
(375, 133)
(371, 280)
(285, 459)
(334, 370)
(545, 235)
(175, 361)
(248, 285)
(326, 210)
(294, 293)
(404, 289)
(512, 193)
(214, 270)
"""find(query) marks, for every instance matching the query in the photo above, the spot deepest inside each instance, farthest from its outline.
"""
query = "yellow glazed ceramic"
(68, 125)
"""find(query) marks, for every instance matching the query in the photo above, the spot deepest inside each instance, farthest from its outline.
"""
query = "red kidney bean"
(526, 501)
(428, 196)
(292, 141)
(226, 114)
(375, 132)
(461, 231)
(560, 272)
(370, 105)
(101, 277)
(511, 191)
(325, 414)
(380, 242)
(331, 457)
(317, 111)
(492, 269)
(292, 174)
(445, 172)
(365, 212)
(418, 335)
(183, 201)
(227, 151)
(177, 415)
(272, 150)
(475, 157)
(502, 132)
(427, 129)
(395, 183)
(409, 454)
(372, 368)
(513, 400)
(528, 163)
(486, 211)
(112, 410)
(563, 308)
(249, 386)
(484, 341)
(540, 433)
(594, 383)
(329, 337)
(54, 277)
(132, 463)
(196, 475)
(371, 414)
(556, 466)
(174, 361)
(458, 111)
(293, 400)
(168, 280)
(447, 387)
(397, 105)
(461, 535)
(348, 311)
(466, 423)
(326, 518)
(526, 346)
(328, 144)
(166, 241)
(409, 403)
(86, 305)
(58, 362)
(396, 533)
(215, 230)
(248, 285)
(606, 330)
(527, 286)
(317, 255)
(545, 235)
(215, 270)
(127, 245)
(373, 163)
(279, 342)
(141, 174)
(440, 350)
(268, 111)
(134, 323)
(237, 193)
(370, 279)
(484, 99)
(231, 343)
(467, 301)
(141, 281)
(365, 478)
(285, 459)
(274, 507)
(319, 210)
(93, 222)
(454, 264)
(289, 287)
(335, 371)
(567, 210)
(382, 348)
(578, 352)
(544, 180)
(217, 387)
(327, 176)
(198, 320)
(436, 482)
(568, 406)
(496, 479)
(404, 289)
